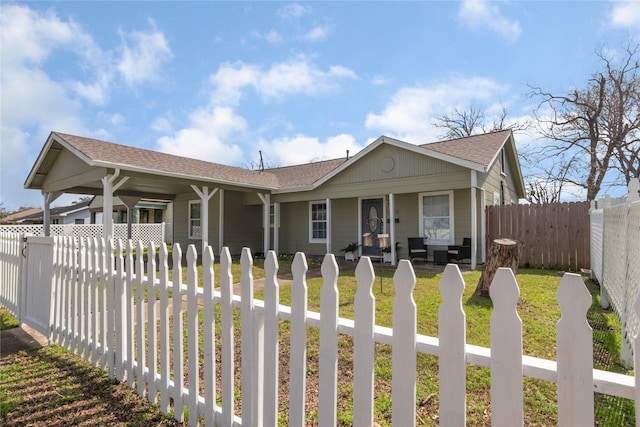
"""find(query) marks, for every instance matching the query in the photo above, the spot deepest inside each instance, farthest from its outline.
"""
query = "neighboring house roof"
(475, 153)
(19, 216)
(60, 211)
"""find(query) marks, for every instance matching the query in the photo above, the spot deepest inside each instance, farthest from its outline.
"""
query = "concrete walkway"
(16, 339)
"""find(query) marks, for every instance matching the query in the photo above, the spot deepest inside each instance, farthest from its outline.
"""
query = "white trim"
(452, 233)
(311, 238)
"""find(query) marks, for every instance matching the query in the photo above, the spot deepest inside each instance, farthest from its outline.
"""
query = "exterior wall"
(67, 166)
(409, 173)
(84, 215)
(490, 181)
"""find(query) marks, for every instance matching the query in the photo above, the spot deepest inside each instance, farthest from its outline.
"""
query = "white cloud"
(485, 14)
(303, 149)
(317, 34)
(293, 10)
(142, 55)
(625, 14)
(296, 76)
(411, 112)
(206, 137)
(272, 36)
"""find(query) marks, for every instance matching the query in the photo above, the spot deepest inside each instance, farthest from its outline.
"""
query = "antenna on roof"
(261, 161)
(347, 154)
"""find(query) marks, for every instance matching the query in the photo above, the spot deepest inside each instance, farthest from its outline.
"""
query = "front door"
(372, 225)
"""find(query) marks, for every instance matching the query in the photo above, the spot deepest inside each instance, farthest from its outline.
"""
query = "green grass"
(49, 386)
(7, 321)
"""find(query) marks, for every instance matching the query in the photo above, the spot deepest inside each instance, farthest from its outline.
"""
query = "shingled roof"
(477, 152)
(480, 149)
(103, 153)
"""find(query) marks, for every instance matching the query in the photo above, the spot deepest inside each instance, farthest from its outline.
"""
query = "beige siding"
(344, 217)
(491, 182)
(69, 168)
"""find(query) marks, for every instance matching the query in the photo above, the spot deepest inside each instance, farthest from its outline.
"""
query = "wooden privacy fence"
(98, 293)
(554, 235)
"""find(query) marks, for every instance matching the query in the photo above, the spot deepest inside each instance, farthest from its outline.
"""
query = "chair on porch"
(459, 253)
(417, 248)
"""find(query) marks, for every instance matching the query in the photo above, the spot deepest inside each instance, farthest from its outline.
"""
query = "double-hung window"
(317, 222)
(195, 231)
(436, 217)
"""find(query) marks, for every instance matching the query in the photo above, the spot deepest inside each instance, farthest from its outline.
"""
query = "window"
(317, 222)
(194, 220)
(157, 216)
(79, 221)
(503, 162)
(436, 215)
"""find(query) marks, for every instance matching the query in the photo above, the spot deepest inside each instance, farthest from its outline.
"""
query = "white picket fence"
(97, 297)
(145, 232)
(615, 261)
(11, 268)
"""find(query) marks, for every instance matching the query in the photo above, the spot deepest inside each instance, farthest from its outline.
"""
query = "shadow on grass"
(50, 386)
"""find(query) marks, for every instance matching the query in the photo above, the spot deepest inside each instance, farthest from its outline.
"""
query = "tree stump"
(502, 253)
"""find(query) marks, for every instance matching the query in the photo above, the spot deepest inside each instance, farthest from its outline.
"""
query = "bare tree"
(595, 129)
(473, 121)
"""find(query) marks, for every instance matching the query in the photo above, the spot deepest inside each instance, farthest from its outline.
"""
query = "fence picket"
(328, 388)
(271, 339)
(57, 287)
(152, 324)
(248, 350)
(141, 356)
(178, 333)
(84, 325)
(403, 394)
(111, 297)
(164, 329)
(363, 344)
(95, 301)
(192, 336)
(452, 333)
(575, 354)
(120, 320)
(506, 354)
(209, 337)
(102, 257)
(75, 297)
(130, 309)
(226, 337)
(298, 351)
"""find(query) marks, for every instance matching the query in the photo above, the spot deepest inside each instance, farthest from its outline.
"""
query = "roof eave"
(125, 167)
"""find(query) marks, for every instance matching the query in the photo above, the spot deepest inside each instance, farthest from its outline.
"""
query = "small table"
(440, 257)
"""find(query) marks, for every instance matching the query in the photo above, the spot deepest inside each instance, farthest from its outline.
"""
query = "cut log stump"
(502, 253)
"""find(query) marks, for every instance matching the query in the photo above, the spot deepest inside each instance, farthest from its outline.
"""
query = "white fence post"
(249, 372)
(327, 407)
(192, 336)
(226, 337)
(575, 354)
(209, 336)
(403, 395)
(178, 333)
(298, 352)
(452, 334)
(271, 339)
(506, 351)
(152, 323)
(164, 329)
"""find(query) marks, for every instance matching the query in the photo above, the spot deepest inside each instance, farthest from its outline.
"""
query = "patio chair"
(462, 252)
(417, 248)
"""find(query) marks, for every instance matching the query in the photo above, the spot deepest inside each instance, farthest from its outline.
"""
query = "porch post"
(220, 220)
(130, 202)
(328, 201)
(46, 218)
(205, 196)
(266, 204)
(109, 186)
(474, 219)
(392, 229)
(483, 225)
(276, 227)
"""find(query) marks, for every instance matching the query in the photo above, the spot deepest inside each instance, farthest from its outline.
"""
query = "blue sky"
(300, 81)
